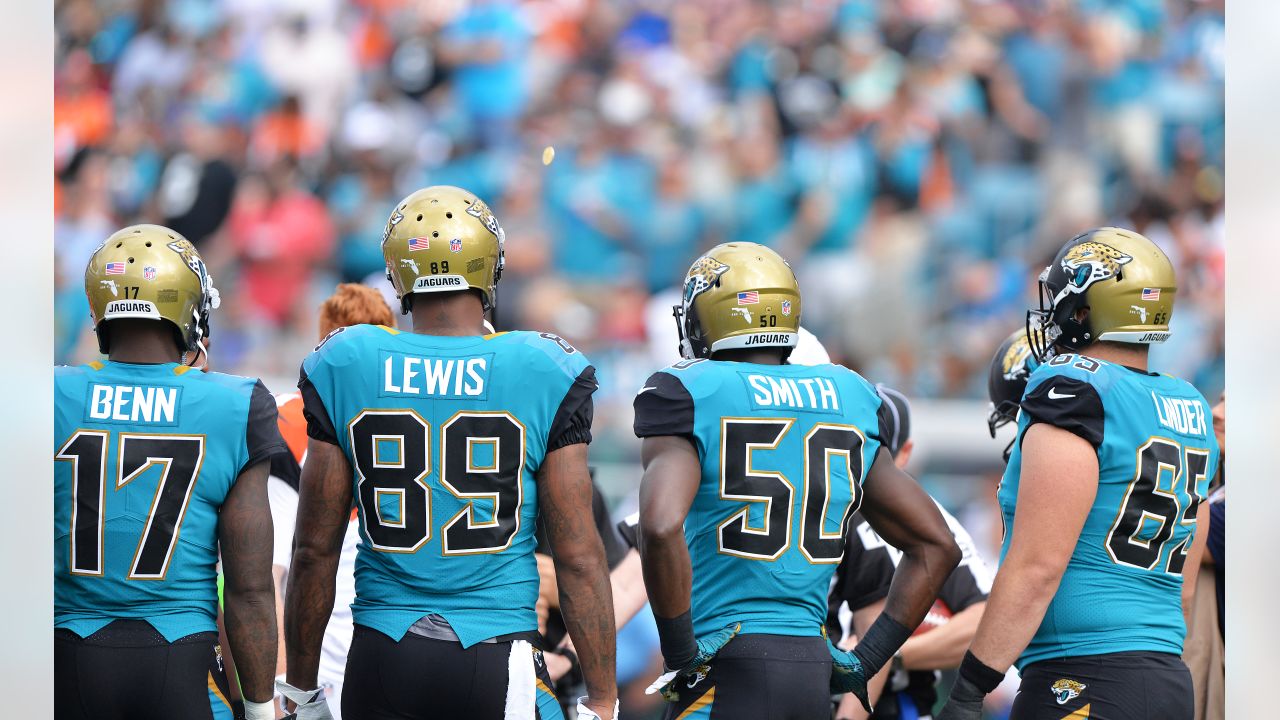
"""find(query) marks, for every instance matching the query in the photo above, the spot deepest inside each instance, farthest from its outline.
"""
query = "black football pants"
(1116, 686)
(760, 677)
(127, 671)
(421, 678)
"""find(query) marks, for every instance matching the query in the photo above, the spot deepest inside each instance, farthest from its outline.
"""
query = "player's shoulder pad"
(344, 345)
(663, 406)
(546, 352)
(700, 377)
(239, 384)
(1067, 393)
(851, 380)
(1101, 375)
(70, 371)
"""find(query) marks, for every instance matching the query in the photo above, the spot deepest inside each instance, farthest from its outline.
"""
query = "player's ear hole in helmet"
(150, 272)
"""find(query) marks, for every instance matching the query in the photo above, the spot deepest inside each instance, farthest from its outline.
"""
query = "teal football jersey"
(144, 458)
(1122, 589)
(784, 451)
(445, 436)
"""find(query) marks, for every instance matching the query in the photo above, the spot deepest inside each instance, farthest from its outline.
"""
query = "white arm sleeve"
(284, 513)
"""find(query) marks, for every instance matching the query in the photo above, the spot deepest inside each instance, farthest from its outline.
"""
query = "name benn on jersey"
(1181, 415)
(131, 403)
(805, 393)
(440, 377)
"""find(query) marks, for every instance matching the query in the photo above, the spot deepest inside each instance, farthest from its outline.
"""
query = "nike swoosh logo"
(644, 390)
(1055, 395)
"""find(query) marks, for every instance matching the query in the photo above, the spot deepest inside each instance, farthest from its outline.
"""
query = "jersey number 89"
(740, 480)
(391, 450)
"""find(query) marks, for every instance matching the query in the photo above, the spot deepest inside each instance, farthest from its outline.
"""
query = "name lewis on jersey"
(1181, 415)
(801, 393)
(132, 403)
(418, 376)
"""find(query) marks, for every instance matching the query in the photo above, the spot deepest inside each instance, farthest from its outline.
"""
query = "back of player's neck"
(135, 354)
(141, 343)
(756, 356)
(449, 318)
(1132, 356)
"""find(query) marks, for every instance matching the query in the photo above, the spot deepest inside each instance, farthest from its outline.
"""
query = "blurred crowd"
(917, 161)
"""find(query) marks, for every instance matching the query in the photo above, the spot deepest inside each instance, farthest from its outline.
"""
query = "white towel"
(521, 689)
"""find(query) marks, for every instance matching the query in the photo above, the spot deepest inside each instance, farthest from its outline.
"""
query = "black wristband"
(880, 642)
(675, 635)
(982, 676)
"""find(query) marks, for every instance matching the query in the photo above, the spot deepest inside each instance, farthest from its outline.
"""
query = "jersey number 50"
(740, 480)
(481, 458)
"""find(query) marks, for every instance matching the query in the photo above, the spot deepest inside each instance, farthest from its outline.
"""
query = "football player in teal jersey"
(451, 443)
(753, 468)
(156, 470)
(1101, 500)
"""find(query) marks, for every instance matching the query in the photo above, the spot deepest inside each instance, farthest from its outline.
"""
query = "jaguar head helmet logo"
(1091, 262)
(702, 276)
(396, 217)
(1014, 362)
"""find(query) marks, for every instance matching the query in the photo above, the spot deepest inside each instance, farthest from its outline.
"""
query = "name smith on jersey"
(812, 393)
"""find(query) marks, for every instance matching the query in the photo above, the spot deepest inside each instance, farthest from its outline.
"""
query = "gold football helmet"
(443, 239)
(151, 272)
(738, 295)
(1123, 279)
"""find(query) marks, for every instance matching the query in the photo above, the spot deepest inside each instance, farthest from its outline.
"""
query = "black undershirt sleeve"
(961, 590)
(285, 466)
(887, 423)
(865, 573)
(1067, 403)
(663, 407)
(319, 426)
(262, 430)
(572, 422)
(629, 530)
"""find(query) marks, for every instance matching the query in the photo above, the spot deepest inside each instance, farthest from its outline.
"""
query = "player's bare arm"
(244, 529)
(1059, 482)
(671, 473)
(1195, 558)
(324, 509)
(582, 574)
(902, 513)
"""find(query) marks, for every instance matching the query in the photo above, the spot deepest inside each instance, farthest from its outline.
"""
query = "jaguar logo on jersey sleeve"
(1065, 690)
(1091, 262)
(702, 276)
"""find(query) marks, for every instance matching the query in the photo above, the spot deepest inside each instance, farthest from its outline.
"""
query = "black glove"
(965, 702)
(975, 682)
